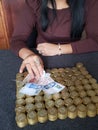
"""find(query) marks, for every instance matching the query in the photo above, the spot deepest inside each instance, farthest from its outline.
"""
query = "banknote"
(44, 83)
(31, 89)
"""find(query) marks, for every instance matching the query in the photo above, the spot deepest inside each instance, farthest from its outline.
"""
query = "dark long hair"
(77, 15)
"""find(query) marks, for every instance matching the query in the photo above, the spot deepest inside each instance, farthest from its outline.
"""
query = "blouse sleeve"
(24, 24)
(90, 43)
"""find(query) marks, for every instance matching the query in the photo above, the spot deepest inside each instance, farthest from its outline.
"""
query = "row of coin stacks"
(79, 98)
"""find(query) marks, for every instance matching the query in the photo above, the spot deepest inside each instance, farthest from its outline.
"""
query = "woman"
(60, 24)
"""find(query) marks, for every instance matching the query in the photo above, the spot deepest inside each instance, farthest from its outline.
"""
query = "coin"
(49, 104)
(86, 100)
(42, 116)
(30, 107)
(29, 100)
(47, 97)
(62, 112)
(65, 95)
(91, 110)
(38, 98)
(92, 80)
(82, 93)
(94, 99)
(20, 109)
(59, 103)
(56, 96)
(77, 100)
(39, 105)
(21, 120)
(32, 118)
(79, 65)
(52, 114)
(68, 101)
(74, 94)
(72, 112)
(20, 102)
(82, 112)
(91, 93)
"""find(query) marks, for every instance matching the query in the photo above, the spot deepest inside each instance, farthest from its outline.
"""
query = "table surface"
(9, 66)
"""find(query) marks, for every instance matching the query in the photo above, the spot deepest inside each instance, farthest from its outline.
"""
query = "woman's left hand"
(47, 49)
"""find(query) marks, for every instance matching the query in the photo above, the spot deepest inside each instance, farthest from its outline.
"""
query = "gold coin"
(96, 91)
(21, 120)
(91, 93)
(79, 87)
(30, 107)
(77, 100)
(20, 102)
(29, 100)
(87, 87)
(79, 65)
(95, 85)
(94, 99)
(77, 73)
(38, 98)
(61, 70)
(49, 104)
(69, 83)
(72, 112)
(52, 114)
(56, 96)
(82, 94)
(91, 110)
(82, 69)
(74, 94)
(65, 95)
(20, 109)
(39, 105)
(86, 100)
(41, 93)
(71, 88)
(85, 81)
(62, 112)
(74, 69)
(19, 75)
(82, 112)
(97, 107)
(19, 83)
(20, 95)
(88, 76)
(68, 101)
(54, 70)
(47, 97)
(78, 82)
(67, 69)
(73, 78)
(42, 116)
(84, 72)
(80, 77)
(59, 103)
(92, 80)
(32, 118)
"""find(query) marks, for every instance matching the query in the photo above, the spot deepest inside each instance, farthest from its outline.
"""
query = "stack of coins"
(32, 118)
(78, 98)
(42, 116)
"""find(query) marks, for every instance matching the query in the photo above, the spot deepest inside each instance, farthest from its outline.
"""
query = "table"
(9, 66)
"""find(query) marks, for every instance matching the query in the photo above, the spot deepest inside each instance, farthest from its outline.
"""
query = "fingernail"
(20, 71)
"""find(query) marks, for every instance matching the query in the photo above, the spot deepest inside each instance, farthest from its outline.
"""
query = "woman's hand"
(34, 65)
(48, 49)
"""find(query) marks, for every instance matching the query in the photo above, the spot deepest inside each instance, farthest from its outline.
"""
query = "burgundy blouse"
(59, 30)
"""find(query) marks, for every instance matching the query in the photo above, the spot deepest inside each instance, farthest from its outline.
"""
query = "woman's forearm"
(25, 52)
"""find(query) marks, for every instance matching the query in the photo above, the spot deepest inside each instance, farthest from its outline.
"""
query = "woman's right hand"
(33, 64)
